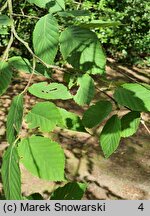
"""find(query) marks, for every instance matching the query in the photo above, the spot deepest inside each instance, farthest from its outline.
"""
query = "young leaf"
(134, 96)
(81, 48)
(70, 120)
(110, 135)
(20, 64)
(5, 77)
(44, 115)
(86, 90)
(130, 123)
(14, 118)
(42, 157)
(11, 175)
(50, 91)
(46, 38)
(71, 191)
(96, 114)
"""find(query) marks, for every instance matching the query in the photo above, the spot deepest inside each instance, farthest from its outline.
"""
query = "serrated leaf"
(11, 175)
(70, 120)
(134, 96)
(14, 118)
(4, 20)
(86, 90)
(71, 191)
(5, 77)
(46, 38)
(110, 135)
(42, 157)
(100, 24)
(44, 115)
(96, 114)
(20, 64)
(130, 123)
(50, 91)
(74, 13)
(52, 5)
(81, 48)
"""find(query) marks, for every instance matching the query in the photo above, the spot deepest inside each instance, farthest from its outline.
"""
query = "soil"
(125, 175)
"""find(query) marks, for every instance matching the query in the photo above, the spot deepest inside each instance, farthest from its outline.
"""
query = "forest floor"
(125, 175)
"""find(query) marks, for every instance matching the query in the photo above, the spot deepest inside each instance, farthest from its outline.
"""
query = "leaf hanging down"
(14, 118)
(70, 120)
(100, 24)
(81, 48)
(11, 175)
(52, 5)
(50, 91)
(96, 113)
(71, 191)
(110, 135)
(130, 123)
(46, 38)
(20, 64)
(42, 157)
(134, 96)
(44, 115)
(86, 90)
(5, 77)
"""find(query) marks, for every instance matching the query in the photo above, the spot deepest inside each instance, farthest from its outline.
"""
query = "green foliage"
(134, 96)
(14, 119)
(110, 135)
(5, 77)
(44, 115)
(96, 113)
(42, 157)
(67, 39)
(11, 176)
(130, 123)
(71, 191)
(52, 91)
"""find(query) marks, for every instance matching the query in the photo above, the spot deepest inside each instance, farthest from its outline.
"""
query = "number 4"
(141, 207)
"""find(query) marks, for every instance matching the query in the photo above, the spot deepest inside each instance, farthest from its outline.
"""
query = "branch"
(26, 16)
(143, 123)
(3, 7)
(6, 52)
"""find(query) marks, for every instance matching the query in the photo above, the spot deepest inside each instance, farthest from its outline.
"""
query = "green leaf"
(74, 13)
(134, 96)
(4, 20)
(70, 120)
(50, 91)
(71, 191)
(44, 115)
(100, 24)
(4, 31)
(42, 157)
(110, 135)
(35, 196)
(20, 64)
(96, 113)
(5, 77)
(81, 48)
(11, 175)
(46, 38)
(86, 90)
(52, 5)
(130, 123)
(14, 118)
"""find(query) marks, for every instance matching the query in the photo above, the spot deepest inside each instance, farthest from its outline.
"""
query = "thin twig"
(30, 78)
(27, 16)
(3, 7)
(143, 123)
(6, 52)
